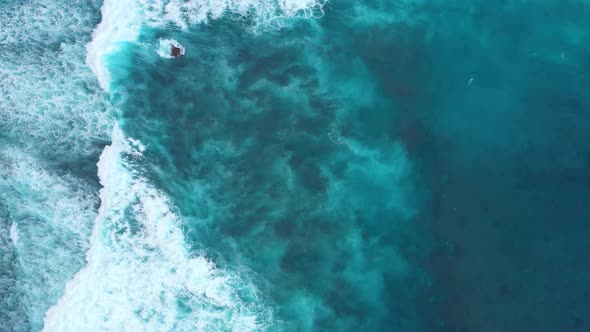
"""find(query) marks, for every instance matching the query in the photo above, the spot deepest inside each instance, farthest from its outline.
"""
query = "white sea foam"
(139, 269)
(183, 13)
(121, 22)
(14, 233)
(306, 7)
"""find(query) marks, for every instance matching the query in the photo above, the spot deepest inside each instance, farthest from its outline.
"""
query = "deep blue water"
(382, 166)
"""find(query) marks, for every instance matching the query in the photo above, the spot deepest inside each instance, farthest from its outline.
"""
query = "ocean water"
(305, 165)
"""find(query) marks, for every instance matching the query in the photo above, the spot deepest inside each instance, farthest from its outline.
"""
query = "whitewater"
(139, 274)
(134, 269)
(294, 165)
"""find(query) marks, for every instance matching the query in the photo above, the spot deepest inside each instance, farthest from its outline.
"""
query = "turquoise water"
(304, 166)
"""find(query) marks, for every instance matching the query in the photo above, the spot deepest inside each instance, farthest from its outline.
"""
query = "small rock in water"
(175, 51)
(169, 49)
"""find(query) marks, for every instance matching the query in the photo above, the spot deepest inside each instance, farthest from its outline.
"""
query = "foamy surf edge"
(142, 279)
(134, 278)
(121, 22)
(139, 268)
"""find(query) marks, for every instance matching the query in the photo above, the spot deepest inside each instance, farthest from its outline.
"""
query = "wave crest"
(140, 274)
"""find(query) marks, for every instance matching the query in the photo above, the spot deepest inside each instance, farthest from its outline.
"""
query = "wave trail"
(140, 275)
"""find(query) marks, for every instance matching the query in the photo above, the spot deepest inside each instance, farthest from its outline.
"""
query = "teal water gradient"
(388, 166)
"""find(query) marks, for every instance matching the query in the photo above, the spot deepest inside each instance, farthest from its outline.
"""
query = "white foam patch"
(139, 269)
(268, 13)
(121, 22)
(14, 234)
(307, 8)
(165, 45)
